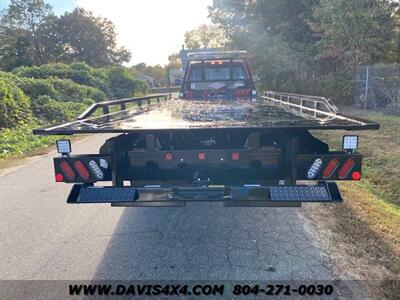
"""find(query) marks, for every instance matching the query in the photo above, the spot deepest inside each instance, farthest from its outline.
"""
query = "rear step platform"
(235, 196)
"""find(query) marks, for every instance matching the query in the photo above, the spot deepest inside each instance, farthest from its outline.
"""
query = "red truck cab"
(221, 75)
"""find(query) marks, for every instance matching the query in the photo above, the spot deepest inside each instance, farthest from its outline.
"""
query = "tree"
(121, 82)
(309, 46)
(357, 31)
(90, 39)
(205, 36)
(157, 72)
(30, 34)
(26, 33)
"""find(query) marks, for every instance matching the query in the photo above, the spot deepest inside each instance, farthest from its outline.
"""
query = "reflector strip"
(96, 169)
(67, 170)
(330, 168)
(346, 168)
(83, 172)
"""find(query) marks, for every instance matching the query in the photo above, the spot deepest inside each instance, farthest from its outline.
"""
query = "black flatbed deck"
(178, 115)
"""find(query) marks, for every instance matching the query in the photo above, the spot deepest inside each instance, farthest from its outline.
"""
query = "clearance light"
(330, 168)
(356, 175)
(346, 168)
(350, 142)
(169, 156)
(235, 156)
(202, 156)
(96, 169)
(64, 147)
(59, 177)
(83, 172)
(314, 169)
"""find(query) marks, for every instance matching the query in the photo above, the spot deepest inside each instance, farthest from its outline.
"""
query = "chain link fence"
(378, 87)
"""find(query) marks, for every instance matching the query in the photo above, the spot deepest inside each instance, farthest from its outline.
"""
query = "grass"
(381, 150)
(21, 142)
(370, 216)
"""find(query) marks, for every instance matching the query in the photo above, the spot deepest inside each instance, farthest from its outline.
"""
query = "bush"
(122, 83)
(59, 89)
(80, 73)
(14, 105)
(53, 111)
(37, 87)
(141, 88)
(101, 83)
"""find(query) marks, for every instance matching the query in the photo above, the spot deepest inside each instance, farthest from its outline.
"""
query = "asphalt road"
(41, 237)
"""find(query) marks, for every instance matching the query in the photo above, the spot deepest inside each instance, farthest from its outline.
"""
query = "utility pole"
(366, 88)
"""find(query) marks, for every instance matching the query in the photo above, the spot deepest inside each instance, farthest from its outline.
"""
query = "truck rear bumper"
(235, 196)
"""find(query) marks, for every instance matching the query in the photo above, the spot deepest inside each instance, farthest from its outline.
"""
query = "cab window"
(216, 73)
(238, 73)
(196, 74)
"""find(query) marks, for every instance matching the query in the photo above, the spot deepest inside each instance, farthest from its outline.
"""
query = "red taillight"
(330, 168)
(188, 94)
(82, 170)
(59, 177)
(356, 175)
(67, 170)
(202, 156)
(346, 168)
(235, 156)
(169, 156)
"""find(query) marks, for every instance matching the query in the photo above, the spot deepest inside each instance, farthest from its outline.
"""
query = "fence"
(378, 87)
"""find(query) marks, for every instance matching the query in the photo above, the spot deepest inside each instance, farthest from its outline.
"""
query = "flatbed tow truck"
(217, 140)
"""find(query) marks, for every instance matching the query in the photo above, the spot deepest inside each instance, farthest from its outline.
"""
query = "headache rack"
(216, 55)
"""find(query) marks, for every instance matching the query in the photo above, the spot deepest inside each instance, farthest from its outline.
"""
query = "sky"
(150, 29)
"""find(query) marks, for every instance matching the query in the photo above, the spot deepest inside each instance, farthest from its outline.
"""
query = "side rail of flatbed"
(311, 107)
(122, 104)
(107, 112)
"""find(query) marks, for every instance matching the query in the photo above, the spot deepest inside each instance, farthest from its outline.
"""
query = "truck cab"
(223, 75)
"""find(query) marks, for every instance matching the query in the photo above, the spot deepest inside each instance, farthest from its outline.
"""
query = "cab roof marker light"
(63, 147)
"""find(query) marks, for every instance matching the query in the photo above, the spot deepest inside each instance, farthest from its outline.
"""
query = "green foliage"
(123, 84)
(311, 46)
(80, 73)
(54, 111)
(20, 140)
(59, 89)
(32, 35)
(205, 36)
(14, 105)
(90, 39)
(157, 72)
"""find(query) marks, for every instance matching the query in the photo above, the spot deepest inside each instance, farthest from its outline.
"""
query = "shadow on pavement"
(209, 242)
